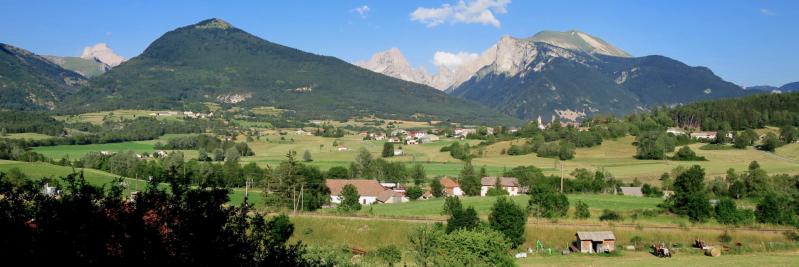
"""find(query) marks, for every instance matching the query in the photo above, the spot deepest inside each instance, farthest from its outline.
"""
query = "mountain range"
(212, 61)
(789, 87)
(572, 75)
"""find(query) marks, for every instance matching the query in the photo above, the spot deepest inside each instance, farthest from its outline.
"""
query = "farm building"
(634, 191)
(451, 187)
(675, 131)
(369, 190)
(391, 196)
(704, 135)
(595, 242)
(428, 138)
(510, 184)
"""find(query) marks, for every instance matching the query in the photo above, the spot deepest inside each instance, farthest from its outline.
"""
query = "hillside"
(526, 78)
(742, 113)
(212, 61)
(31, 82)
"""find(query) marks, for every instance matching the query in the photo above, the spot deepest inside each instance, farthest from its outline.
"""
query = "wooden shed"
(595, 242)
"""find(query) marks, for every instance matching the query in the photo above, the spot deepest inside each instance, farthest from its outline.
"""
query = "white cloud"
(471, 11)
(767, 12)
(362, 10)
(452, 60)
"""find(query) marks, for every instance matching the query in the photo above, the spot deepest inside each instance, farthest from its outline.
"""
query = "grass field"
(790, 151)
(371, 233)
(116, 115)
(38, 170)
(786, 258)
(30, 136)
(433, 207)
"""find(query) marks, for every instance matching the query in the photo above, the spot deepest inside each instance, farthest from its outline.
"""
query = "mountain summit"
(213, 61)
(579, 41)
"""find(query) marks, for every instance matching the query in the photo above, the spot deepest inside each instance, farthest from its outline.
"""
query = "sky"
(745, 42)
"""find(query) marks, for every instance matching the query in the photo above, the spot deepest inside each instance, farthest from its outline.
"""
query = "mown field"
(372, 233)
(786, 258)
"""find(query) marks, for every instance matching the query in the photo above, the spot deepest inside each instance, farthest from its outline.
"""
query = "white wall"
(513, 191)
(364, 200)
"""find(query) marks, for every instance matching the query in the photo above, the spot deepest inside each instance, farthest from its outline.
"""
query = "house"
(675, 131)
(49, 190)
(399, 132)
(394, 140)
(428, 138)
(416, 134)
(464, 132)
(411, 142)
(369, 190)
(703, 135)
(391, 196)
(632, 191)
(398, 152)
(595, 242)
(342, 148)
(451, 187)
(510, 184)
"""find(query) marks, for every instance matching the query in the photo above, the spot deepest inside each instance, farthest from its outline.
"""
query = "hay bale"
(713, 251)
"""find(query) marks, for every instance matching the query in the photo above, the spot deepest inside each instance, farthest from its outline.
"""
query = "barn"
(595, 242)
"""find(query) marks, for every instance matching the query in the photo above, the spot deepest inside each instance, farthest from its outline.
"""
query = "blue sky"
(746, 42)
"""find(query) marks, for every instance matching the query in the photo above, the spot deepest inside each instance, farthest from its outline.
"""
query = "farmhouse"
(632, 191)
(464, 132)
(369, 190)
(704, 135)
(416, 134)
(675, 131)
(510, 184)
(411, 142)
(451, 187)
(428, 138)
(595, 242)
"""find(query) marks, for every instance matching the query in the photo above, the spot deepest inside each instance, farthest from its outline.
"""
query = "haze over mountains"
(572, 75)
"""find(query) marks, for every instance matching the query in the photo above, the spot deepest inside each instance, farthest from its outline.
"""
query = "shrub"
(581, 210)
(610, 215)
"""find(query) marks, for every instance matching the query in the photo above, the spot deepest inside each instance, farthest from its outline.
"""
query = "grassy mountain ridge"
(213, 61)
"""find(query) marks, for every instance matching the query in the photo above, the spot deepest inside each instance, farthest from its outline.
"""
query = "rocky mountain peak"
(102, 53)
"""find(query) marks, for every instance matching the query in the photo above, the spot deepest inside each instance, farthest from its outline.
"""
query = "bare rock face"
(101, 52)
(393, 63)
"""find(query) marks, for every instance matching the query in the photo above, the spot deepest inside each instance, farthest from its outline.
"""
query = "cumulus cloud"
(767, 12)
(472, 11)
(362, 10)
(452, 60)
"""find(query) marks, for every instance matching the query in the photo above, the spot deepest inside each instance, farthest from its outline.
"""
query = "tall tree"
(436, 188)
(690, 197)
(388, 149)
(350, 199)
(418, 174)
(508, 218)
(469, 181)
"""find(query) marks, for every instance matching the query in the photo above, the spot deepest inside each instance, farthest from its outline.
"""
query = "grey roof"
(632, 191)
(596, 236)
(505, 181)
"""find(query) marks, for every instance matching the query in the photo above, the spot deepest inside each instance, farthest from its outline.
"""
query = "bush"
(581, 210)
(414, 192)
(610, 215)
(388, 254)
(686, 154)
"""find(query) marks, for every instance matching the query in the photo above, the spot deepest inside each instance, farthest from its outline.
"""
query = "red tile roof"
(449, 183)
(365, 187)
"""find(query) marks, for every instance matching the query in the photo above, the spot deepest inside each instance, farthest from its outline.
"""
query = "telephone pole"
(561, 176)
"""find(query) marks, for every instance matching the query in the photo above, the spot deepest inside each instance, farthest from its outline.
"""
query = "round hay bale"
(713, 251)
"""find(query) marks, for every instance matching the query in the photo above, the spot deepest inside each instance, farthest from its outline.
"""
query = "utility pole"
(561, 176)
